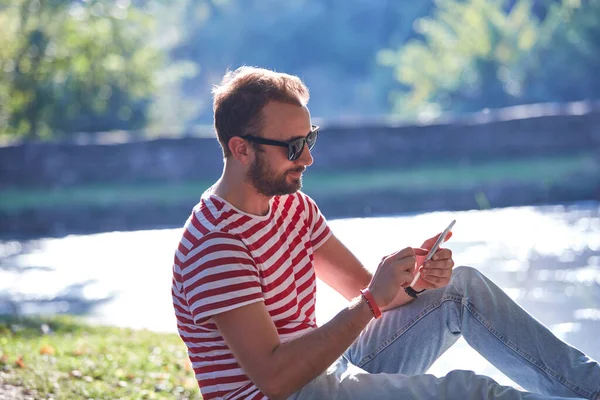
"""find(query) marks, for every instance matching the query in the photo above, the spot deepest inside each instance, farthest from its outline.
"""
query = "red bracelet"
(371, 302)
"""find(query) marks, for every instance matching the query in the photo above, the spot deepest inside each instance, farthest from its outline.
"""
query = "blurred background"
(487, 111)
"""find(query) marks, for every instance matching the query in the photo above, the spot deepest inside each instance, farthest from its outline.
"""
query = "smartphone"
(434, 248)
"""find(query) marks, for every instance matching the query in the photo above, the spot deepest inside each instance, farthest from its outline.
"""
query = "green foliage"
(471, 53)
(483, 53)
(68, 66)
(566, 65)
(453, 55)
(330, 44)
(98, 65)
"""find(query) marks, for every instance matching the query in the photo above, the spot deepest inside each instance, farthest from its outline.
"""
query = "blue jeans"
(390, 357)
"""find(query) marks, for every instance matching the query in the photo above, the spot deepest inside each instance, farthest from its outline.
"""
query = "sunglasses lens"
(295, 148)
(311, 139)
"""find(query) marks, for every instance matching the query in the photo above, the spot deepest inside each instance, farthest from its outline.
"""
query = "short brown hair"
(243, 93)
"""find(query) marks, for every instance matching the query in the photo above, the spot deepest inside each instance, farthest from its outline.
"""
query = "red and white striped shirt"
(227, 259)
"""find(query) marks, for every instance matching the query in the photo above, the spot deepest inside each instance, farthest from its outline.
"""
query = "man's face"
(269, 181)
(271, 173)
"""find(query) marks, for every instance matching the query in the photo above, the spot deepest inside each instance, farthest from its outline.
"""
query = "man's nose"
(306, 157)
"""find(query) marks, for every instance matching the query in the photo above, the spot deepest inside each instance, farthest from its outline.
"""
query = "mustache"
(299, 169)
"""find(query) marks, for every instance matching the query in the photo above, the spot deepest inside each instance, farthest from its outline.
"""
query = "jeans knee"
(465, 273)
(464, 277)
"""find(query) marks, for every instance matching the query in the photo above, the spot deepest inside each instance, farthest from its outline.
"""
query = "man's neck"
(234, 189)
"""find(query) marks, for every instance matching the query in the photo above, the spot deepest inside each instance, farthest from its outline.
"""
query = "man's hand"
(435, 273)
(393, 273)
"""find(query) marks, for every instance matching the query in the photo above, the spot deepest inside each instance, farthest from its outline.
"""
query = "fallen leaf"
(47, 349)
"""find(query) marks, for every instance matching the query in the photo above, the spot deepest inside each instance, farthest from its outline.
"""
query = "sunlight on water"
(542, 257)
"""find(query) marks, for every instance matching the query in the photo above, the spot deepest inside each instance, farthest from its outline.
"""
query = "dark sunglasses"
(295, 146)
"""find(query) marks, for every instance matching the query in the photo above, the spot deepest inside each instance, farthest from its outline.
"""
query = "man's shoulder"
(206, 224)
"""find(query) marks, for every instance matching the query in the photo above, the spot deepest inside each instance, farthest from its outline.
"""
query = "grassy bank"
(549, 170)
(62, 358)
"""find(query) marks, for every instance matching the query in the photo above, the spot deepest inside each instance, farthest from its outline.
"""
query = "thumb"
(420, 255)
(420, 251)
(428, 244)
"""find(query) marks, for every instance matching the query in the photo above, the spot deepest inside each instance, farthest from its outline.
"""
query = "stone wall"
(482, 137)
(501, 135)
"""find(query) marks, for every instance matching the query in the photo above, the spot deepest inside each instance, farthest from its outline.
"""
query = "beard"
(268, 183)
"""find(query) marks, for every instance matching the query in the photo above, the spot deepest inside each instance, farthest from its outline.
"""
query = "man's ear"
(241, 150)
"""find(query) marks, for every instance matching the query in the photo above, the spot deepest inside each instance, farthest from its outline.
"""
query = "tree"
(331, 44)
(483, 53)
(473, 55)
(70, 66)
(565, 65)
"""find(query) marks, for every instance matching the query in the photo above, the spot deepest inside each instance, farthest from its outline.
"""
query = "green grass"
(80, 361)
(546, 170)
(99, 195)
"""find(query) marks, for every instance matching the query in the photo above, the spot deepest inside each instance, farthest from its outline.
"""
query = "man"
(244, 285)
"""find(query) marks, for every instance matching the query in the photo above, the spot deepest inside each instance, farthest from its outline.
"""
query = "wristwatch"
(412, 292)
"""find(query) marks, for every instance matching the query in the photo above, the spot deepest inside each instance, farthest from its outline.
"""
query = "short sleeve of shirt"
(219, 275)
(319, 229)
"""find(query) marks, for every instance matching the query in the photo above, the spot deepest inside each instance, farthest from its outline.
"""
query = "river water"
(546, 258)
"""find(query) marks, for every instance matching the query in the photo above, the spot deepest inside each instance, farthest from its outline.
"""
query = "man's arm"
(279, 370)
(339, 268)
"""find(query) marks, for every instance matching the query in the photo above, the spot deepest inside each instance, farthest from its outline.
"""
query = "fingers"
(405, 256)
(405, 252)
(442, 254)
(434, 280)
(446, 264)
(407, 261)
(437, 273)
(420, 252)
(428, 244)
(395, 271)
